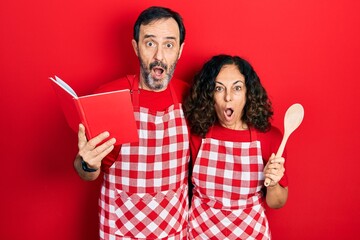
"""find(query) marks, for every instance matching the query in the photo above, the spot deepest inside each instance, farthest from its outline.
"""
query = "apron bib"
(227, 200)
(146, 188)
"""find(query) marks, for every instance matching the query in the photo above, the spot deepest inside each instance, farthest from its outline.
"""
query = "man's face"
(158, 51)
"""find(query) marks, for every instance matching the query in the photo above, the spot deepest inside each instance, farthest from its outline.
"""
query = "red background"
(304, 51)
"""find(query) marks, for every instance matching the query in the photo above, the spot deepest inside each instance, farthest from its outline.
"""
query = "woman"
(232, 139)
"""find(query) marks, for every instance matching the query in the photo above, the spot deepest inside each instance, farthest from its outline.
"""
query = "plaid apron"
(145, 193)
(227, 201)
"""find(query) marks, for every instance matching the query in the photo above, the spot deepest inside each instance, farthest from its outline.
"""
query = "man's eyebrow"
(149, 36)
(153, 36)
(172, 38)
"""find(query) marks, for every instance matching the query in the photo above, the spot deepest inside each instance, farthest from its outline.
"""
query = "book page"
(65, 86)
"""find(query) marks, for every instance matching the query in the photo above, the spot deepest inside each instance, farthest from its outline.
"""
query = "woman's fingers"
(274, 170)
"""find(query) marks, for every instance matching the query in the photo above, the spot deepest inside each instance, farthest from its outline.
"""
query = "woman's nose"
(228, 96)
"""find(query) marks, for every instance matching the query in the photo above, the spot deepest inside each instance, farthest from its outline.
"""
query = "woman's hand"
(274, 169)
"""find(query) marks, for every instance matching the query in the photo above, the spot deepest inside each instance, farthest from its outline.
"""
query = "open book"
(108, 111)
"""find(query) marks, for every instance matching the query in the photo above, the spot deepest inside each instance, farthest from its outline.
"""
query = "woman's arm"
(276, 195)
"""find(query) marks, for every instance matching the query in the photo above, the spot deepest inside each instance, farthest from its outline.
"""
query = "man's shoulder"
(180, 83)
(118, 84)
(181, 87)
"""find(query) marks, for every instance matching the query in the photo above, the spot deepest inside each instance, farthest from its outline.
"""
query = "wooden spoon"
(292, 120)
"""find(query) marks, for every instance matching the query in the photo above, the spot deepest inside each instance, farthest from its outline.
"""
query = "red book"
(108, 111)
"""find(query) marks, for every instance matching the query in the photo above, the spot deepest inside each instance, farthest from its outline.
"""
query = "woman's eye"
(218, 89)
(237, 88)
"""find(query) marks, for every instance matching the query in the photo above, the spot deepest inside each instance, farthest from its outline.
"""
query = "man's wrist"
(86, 168)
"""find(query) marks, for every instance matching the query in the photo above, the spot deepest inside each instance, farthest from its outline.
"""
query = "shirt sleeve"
(270, 142)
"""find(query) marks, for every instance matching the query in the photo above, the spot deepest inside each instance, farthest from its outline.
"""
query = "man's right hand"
(92, 153)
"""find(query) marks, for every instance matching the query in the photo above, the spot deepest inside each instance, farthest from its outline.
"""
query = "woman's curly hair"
(199, 107)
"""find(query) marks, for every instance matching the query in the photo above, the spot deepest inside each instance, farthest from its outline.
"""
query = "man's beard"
(156, 84)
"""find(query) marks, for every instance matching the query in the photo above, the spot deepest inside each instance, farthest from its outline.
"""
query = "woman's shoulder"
(271, 133)
(270, 141)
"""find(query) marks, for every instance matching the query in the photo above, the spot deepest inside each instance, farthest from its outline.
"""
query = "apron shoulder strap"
(134, 89)
(253, 135)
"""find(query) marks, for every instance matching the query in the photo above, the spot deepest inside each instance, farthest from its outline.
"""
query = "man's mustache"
(158, 64)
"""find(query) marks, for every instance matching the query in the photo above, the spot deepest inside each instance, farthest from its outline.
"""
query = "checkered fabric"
(145, 193)
(227, 201)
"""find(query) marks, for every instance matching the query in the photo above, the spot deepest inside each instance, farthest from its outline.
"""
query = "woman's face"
(230, 97)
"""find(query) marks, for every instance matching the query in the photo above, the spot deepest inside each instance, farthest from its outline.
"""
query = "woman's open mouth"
(228, 113)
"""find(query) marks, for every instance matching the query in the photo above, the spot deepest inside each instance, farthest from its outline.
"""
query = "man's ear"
(181, 48)
(135, 47)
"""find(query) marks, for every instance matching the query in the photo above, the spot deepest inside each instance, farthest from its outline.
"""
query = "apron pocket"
(151, 215)
(220, 223)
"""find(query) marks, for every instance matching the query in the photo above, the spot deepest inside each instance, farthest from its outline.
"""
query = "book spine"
(82, 115)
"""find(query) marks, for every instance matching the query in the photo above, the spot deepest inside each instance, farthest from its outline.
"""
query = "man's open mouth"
(158, 70)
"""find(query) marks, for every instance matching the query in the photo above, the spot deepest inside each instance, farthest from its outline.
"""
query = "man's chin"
(157, 77)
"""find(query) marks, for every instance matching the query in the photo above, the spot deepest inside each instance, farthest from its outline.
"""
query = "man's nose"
(159, 55)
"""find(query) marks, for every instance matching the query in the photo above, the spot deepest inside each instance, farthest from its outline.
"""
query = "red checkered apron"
(227, 201)
(145, 192)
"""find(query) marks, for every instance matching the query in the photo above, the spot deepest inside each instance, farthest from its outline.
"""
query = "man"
(144, 194)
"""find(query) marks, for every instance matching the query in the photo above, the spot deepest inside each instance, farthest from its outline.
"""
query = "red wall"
(304, 51)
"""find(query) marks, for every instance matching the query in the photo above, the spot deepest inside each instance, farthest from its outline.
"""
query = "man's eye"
(150, 44)
(169, 45)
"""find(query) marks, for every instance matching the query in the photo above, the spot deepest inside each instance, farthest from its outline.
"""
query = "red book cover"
(108, 111)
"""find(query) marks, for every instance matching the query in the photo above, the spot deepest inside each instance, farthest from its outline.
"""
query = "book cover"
(108, 111)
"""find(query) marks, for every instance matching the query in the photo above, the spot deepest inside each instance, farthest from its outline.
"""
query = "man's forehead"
(161, 28)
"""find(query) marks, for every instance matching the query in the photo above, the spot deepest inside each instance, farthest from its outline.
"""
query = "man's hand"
(91, 152)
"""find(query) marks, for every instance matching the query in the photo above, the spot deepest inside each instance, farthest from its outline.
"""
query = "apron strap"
(253, 135)
(134, 90)
(173, 95)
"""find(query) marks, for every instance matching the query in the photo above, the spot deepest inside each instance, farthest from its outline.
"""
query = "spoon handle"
(279, 153)
(281, 148)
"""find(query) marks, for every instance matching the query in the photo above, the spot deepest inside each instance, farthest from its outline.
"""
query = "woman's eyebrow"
(238, 81)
